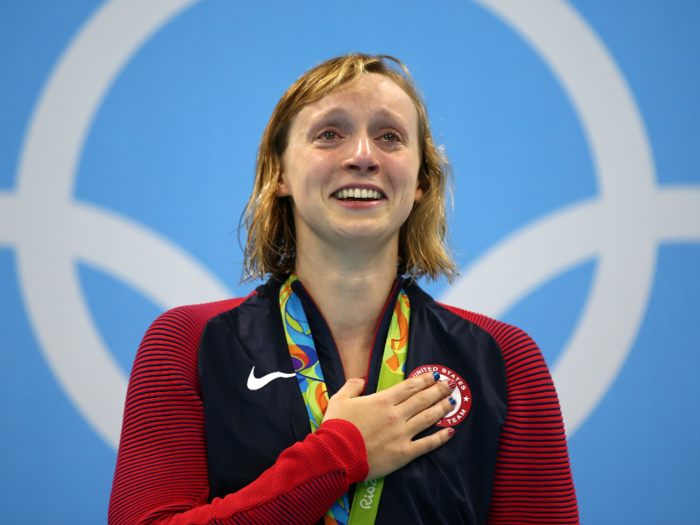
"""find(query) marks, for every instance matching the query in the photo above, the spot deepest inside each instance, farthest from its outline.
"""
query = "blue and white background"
(128, 132)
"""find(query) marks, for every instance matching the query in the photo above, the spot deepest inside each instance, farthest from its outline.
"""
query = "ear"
(283, 189)
(419, 192)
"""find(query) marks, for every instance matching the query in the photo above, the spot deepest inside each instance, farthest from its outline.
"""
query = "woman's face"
(351, 165)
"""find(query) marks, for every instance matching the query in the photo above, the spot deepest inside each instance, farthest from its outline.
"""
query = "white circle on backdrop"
(622, 227)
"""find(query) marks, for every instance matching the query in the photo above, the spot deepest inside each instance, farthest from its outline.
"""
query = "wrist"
(348, 445)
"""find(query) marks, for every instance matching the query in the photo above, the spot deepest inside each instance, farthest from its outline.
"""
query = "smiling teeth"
(358, 193)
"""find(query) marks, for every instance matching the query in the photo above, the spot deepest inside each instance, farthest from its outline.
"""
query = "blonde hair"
(271, 246)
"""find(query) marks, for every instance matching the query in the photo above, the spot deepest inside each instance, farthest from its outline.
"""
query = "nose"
(362, 157)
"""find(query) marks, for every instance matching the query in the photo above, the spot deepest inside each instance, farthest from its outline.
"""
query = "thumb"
(352, 388)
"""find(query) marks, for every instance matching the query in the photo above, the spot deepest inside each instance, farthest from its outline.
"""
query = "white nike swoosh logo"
(256, 383)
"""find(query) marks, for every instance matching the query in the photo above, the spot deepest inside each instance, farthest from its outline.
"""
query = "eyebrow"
(337, 111)
(330, 112)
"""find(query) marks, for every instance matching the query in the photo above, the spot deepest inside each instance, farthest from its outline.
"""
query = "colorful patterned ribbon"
(315, 394)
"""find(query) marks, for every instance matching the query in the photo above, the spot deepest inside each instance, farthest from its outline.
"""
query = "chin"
(369, 234)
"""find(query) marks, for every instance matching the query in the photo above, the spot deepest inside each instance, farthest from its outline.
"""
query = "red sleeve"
(533, 482)
(161, 474)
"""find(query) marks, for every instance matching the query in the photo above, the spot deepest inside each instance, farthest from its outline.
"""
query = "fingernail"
(452, 401)
(436, 376)
(452, 384)
(450, 431)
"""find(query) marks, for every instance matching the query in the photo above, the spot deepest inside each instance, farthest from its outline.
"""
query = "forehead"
(371, 94)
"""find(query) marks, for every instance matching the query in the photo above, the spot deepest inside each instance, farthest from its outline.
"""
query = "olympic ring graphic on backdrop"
(622, 227)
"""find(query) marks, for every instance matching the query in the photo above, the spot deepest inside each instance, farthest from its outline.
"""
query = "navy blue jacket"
(247, 430)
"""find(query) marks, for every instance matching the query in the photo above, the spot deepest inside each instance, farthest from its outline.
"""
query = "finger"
(422, 446)
(425, 399)
(409, 387)
(428, 417)
(352, 388)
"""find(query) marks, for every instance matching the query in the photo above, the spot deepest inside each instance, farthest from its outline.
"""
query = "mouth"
(358, 195)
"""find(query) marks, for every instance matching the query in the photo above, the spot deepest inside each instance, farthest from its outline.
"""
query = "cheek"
(291, 181)
(411, 180)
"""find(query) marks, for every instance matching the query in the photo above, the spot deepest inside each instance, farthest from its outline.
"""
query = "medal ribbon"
(313, 389)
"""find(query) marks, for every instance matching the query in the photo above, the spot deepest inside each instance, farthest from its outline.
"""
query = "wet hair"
(271, 246)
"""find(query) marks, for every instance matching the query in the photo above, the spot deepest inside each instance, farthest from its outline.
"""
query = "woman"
(436, 415)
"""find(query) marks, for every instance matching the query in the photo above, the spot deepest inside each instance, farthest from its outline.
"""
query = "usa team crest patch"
(461, 394)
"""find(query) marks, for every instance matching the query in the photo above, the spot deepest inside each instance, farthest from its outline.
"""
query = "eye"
(329, 135)
(390, 137)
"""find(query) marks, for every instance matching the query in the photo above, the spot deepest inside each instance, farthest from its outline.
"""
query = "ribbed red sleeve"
(161, 474)
(533, 481)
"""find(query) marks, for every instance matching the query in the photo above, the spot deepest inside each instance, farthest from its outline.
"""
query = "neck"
(350, 290)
